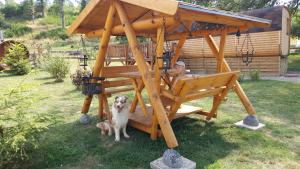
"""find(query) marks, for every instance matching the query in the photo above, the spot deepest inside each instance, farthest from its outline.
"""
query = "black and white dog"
(120, 113)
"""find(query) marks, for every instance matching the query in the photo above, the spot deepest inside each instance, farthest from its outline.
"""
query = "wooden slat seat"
(114, 84)
(192, 88)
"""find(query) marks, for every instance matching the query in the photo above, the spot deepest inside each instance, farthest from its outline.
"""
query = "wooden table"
(138, 85)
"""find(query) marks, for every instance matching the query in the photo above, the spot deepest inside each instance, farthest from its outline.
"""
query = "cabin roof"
(274, 14)
(94, 14)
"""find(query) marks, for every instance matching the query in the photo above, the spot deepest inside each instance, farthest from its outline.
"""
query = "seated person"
(180, 71)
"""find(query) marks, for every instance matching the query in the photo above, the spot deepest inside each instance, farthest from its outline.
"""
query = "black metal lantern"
(83, 61)
(83, 57)
(92, 85)
(166, 58)
(247, 50)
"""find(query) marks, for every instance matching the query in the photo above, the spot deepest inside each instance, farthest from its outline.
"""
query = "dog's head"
(102, 126)
(120, 103)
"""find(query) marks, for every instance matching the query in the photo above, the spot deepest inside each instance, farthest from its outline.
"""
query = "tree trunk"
(43, 4)
(32, 11)
(62, 14)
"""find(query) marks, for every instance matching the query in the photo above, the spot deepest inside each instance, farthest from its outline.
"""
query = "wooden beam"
(102, 52)
(155, 100)
(135, 99)
(237, 87)
(221, 51)
(82, 16)
(139, 97)
(180, 44)
(159, 53)
(166, 6)
(220, 97)
(160, 37)
(137, 26)
(198, 33)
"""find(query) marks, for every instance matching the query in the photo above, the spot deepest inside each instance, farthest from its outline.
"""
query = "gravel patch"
(289, 77)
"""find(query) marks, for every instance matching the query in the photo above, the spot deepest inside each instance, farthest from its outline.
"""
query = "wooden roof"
(271, 13)
(93, 17)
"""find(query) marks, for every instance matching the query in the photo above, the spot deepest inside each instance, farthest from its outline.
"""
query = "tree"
(26, 9)
(40, 6)
(55, 8)
(82, 4)
(235, 5)
(294, 7)
(244, 5)
(10, 9)
(62, 13)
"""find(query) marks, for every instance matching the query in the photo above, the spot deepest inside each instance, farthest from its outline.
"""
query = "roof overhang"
(147, 15)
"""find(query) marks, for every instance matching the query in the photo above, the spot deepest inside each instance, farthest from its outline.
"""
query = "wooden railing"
(122, 53)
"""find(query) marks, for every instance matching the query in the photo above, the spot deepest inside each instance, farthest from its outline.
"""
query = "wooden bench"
(184, 90)
(113, 84)
(192, 88)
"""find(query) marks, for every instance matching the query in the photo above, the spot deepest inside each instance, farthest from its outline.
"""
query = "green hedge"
(17, 30)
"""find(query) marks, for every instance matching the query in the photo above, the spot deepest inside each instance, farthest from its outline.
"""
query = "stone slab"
(158, 164)
(241, 124)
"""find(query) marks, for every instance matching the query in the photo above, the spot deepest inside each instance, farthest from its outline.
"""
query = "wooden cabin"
(161, 20)
(271, 46)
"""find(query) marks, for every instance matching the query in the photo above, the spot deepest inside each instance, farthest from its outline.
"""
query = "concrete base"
(85, 119)
(241, 124)
(159, 164)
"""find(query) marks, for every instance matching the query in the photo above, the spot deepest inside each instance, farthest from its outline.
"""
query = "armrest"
(169, 95)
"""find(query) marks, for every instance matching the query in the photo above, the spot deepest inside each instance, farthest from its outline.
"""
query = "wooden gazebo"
(163, 20)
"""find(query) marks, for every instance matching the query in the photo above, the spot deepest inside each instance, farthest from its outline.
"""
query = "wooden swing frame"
(166, 15)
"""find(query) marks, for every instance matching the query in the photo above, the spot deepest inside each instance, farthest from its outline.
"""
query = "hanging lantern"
(83, 58)
(83, 61)
(166, 58)
(247, 50)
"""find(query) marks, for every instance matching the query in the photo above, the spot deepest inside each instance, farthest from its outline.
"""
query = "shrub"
(254, 75)
(50, 20)
(20, 127)
(58, 67)
(78, 75)
(3, 23)
(16, 59)
(17, 30)
(58, 33)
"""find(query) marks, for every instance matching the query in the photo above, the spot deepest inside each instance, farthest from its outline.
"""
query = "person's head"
(180, 67)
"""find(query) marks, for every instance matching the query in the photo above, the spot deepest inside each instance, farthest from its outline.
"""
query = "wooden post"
(102, 52)
(159, 54)
(220, 57)
(160, 38)
(237, 87)
(178, 48)
(157, 105)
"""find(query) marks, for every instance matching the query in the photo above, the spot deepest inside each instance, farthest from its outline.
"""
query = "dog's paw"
(117, 139)
(126, 136)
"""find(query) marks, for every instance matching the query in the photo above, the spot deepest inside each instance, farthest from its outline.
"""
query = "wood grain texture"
(147, 79)
(166, 6)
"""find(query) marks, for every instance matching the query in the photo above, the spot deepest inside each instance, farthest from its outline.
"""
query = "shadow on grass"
(8, 74)
(43, 78)
(53, 82)
(81, 146)
(73, 91)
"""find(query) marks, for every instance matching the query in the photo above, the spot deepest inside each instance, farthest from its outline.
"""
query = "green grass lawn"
(294, 62)
(216, 144)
